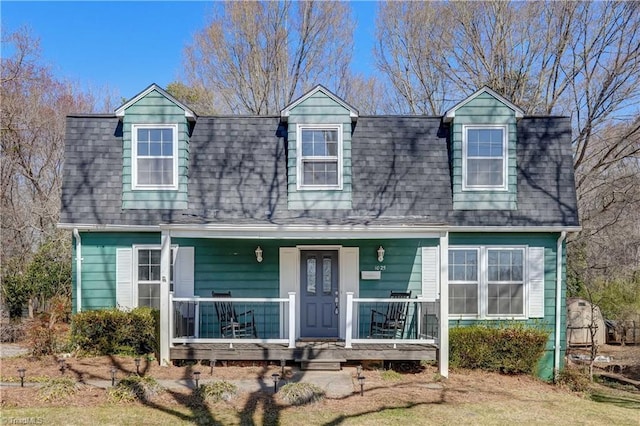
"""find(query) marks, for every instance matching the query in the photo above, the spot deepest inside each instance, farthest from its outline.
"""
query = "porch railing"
(194, 319)
(419, 325)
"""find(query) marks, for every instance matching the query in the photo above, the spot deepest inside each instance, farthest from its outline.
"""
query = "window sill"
(485, 189)
(454, 317)
(319, 188)
(154, 188)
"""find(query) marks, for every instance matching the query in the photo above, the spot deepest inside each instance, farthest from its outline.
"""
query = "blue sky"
(125, 46)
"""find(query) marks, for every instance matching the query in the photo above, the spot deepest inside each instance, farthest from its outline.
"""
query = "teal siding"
(155, 109)
(230, 265)
(99, 266)
(224, 265)
(548, 241)
(319, 109)
(482, 110)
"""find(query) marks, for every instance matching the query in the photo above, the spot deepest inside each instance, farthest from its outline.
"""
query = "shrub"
(216, 391)
(301, 393)
(133, 388)
(511, 349)
(574, 379)
(391, 376)
(15, 292)
(57, 389)
(113, 331)
(12, 332)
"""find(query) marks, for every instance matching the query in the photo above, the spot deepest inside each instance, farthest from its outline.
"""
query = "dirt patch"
(623, 359)
(423, 385)
(417, 386)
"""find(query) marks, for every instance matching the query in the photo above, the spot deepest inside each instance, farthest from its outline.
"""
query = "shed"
(579, 318)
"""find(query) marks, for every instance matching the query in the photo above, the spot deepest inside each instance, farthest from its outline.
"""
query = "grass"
(625, 402)
(549, 408)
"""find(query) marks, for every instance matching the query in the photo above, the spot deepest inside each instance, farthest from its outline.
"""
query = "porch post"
(349, 329)
(443, 332)
(165, 309)
(292, 319)
(196, 319)
(172, 320)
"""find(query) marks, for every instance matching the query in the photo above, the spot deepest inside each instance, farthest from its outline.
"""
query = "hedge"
(511, 349)
(112, 331)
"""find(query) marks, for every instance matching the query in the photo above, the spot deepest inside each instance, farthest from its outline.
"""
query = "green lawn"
(605, 408)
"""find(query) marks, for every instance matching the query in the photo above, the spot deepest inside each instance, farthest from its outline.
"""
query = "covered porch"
(364, 294)
(389, 329)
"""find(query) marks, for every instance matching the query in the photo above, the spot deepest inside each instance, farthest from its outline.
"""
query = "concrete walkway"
(8, 350)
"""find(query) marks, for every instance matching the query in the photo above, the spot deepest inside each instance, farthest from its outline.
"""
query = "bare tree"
(410, 40)
(34, 105)
(580, 59)
(256, 57)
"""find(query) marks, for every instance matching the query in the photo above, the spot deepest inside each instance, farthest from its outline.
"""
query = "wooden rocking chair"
(231, 323)
(390, 325)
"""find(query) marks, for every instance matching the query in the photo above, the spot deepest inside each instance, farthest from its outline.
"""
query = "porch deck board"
(303, 351)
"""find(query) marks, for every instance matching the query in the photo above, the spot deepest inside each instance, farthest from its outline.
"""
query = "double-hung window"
(155, 156)
(148, 276)
(487, 282)
(485, 157)
(320, 157)
(505, 282)
(463, 279)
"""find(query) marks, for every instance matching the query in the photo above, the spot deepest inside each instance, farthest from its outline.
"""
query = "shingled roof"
(400, 164)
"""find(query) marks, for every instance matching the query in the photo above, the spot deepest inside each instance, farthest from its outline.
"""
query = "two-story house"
(321, 234)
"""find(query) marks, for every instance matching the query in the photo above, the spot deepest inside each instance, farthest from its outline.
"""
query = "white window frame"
(505, 157)
(300, 159)
(136, 280)
(483, 282)
(477, 282)
(525, 300)
(134, 157)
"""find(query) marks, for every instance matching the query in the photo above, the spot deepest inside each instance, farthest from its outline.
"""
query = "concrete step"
(321, 364)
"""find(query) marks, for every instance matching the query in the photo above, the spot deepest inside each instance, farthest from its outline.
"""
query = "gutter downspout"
(76, 235)
(559, 257)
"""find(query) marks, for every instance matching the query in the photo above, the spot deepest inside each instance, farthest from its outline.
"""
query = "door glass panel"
(326, 275)
(311, 275)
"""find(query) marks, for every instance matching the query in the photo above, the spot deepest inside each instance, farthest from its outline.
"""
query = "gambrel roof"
(401, 168)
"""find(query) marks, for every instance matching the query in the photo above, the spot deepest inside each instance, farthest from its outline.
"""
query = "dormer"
(155, 133)
(319, 126)
(483, 143)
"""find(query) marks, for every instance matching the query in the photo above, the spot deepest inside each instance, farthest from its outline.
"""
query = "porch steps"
(326, 364)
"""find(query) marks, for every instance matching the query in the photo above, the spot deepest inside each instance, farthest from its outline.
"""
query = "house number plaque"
(370, 275)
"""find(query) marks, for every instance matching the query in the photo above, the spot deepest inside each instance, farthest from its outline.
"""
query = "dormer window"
(155, 153)
(320, 159)
(485, 157)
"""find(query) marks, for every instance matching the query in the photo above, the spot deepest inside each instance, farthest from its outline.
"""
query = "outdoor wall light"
(361, 381)
(196, 377)
(259, 254)
(380, 254)
(21, 374)
(275, 377)
(113, 376)
(137, 361)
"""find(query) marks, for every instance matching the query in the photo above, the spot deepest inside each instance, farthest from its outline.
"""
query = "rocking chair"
(390, 325)
(231, 323)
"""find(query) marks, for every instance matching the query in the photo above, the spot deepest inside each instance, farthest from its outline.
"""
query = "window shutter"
(183, 282)
(536, 282)
(124, 281)
(288, 282)
(430, 273)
